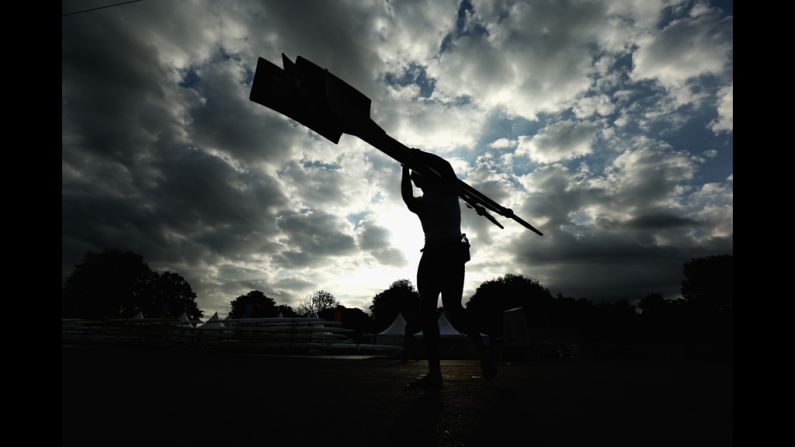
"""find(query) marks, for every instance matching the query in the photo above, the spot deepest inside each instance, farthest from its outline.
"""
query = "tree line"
(117, 284)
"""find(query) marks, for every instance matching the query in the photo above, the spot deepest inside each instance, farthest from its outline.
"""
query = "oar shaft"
(378, 138)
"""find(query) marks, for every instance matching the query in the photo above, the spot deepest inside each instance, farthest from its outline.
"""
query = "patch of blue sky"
(356, 218)
(687, 127)
(696, 137)
(462, 27)
(499, 125)
(189, 78)
(641, 96)
(565, 115)
(459, 101)
(673, 12)
(601, 156)
(320, 165)
(622, 66)
(464, 7)
(678, 11)
(522, 166)
(727, 6)
(413, 74)
(225, 55)
(248, 76)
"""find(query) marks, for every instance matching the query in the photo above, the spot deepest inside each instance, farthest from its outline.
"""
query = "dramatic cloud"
(562, 140)
(375, 240)
(313, 236)
(725, 120)
(501, 53)
(700, 43)
(606, 124)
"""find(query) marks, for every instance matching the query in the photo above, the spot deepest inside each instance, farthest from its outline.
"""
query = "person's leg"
(452, 292)
(462, 321)
(428, 287)
(409, 346)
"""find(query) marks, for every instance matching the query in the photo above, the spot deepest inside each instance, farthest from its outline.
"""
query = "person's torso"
(440, 217)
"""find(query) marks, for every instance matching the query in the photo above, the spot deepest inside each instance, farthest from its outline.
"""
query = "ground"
(146, 396)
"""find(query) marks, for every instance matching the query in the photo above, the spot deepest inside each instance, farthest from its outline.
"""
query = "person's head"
(433, 183)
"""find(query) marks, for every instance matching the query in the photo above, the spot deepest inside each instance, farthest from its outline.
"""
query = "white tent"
(446, 329)
(183, 320)
(213, 323)
(393, 335)
(454, 343)
(395, 332)
(138, 316)
(397, 327)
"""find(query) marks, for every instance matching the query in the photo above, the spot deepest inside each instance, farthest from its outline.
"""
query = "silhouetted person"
(410, 308)
(441, 268)
(411, 313)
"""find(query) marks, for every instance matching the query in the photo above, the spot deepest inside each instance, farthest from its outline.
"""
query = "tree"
(661, 320)
(106, 285)
(253, 305)
(170, 295)
(317, 302)
(356, 319)
(652, 303)
(286, 311)
(116, 283)
(399, 297)
(494, 297)
(569, 312)
(708, 291)
(708, 283)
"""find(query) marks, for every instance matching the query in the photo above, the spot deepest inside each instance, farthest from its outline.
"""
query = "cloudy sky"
(605, 124)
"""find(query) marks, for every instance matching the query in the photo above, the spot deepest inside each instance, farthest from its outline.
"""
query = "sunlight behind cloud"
(606, 124)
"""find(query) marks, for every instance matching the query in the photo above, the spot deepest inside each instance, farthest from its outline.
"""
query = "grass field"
(129, 396)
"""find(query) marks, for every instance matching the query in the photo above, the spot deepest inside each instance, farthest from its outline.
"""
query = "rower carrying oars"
(329, 106)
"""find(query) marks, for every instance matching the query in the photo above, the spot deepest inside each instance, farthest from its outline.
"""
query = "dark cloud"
(136, 172)
(374, 239)
(318, 186)
(293, 284)
(113, 97)
(558, 200)
(313, 236)
(227, 120)
(660, 221)
(602, 265)
(603, 254)
(237, 278)
(199, 206)
(342, 27)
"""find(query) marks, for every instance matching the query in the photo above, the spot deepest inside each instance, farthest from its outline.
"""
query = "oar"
(329, 106)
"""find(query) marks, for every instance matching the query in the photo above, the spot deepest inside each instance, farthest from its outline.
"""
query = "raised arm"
(407, 191)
